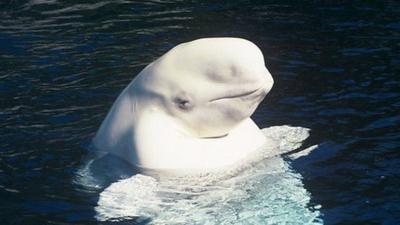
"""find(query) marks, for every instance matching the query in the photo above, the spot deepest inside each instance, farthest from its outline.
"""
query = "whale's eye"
(183, 103)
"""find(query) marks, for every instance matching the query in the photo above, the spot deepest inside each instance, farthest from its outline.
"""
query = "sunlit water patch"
(262, 190)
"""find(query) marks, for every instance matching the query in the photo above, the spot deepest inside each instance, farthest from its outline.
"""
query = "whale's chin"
(209, 134)
(217, 132)
(216, 137)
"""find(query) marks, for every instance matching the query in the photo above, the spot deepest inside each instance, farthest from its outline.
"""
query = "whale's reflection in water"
(263, 191)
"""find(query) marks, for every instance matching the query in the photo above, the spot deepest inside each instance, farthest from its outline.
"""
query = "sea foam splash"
(264, 190)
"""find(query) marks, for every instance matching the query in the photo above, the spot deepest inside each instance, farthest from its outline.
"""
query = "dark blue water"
(336, 69)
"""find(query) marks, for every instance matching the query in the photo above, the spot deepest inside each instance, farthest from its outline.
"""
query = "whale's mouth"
(239, 95)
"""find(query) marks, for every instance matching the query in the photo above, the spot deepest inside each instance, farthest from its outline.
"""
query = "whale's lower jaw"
(201, 166)
(164, 150)
(181, 154)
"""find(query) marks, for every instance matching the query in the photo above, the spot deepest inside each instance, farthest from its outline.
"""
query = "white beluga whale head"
(209, 84)
(191, 104)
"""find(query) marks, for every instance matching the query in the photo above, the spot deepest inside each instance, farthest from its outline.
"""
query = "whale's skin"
(190, 109)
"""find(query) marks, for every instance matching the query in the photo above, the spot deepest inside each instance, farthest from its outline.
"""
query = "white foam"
(267, 192)
(135, 196)
(302, 153)
(288, 138)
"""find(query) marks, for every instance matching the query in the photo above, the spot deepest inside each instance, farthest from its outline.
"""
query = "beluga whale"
(190, 109)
